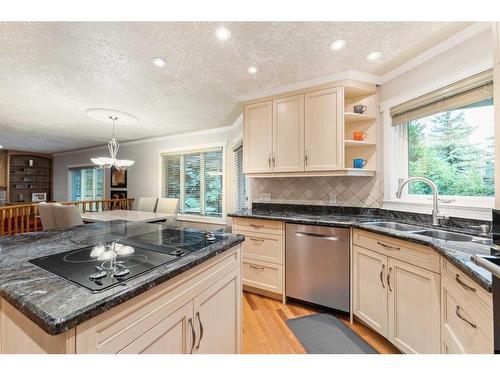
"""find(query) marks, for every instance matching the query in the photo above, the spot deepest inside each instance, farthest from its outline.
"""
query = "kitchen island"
(190, 304)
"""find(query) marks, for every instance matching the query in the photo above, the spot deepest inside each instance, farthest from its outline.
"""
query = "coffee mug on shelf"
(360, 108)
(359, 136)
(358, 163)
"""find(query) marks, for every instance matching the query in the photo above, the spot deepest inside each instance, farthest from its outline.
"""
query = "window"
(240, 181)
(196, 178)
(86, 183)
(450, 141)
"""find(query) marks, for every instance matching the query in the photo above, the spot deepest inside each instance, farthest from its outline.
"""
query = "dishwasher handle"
(318, 236)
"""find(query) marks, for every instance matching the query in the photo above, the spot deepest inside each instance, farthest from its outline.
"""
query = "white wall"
(455, 62)
(144, 176)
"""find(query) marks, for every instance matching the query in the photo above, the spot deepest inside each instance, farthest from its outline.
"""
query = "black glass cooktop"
(108, 264)
(175, 241)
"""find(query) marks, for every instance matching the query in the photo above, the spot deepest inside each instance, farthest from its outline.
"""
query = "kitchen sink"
(396, 226)
(447, 236)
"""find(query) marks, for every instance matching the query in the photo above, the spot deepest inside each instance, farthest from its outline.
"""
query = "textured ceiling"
(50, 73)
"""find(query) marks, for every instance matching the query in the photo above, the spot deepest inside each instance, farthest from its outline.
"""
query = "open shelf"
(356, 117)
(358, 172)
(351, 143)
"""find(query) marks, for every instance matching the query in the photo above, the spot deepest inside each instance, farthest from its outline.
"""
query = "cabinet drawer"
(470, 287)
(418, 255)
(259, 226)
(262, 275)
(467, 326)
(268, 248)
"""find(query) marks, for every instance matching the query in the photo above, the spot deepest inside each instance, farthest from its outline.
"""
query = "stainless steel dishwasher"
(317, 265)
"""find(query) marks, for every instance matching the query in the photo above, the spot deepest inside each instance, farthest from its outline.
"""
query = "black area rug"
(325, 334)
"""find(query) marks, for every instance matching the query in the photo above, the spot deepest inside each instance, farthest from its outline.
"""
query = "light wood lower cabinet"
(370, 288)
(398, 300)
(198, 311)
(413, 319)
(263, 256)
(417, 300)
(217, 317)
(466, 321)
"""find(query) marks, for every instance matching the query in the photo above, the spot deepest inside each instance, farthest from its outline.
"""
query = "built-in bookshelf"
(29, 174)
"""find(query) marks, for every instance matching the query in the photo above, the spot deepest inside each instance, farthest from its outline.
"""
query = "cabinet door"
(414, 300)
(466, 323)
(370, 288)
(217, 316)
(288, 134)
(324, 133)
(173, 335)
(258, 137)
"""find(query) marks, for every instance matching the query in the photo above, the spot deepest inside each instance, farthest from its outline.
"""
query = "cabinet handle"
(269, 160)
(306, 158)
(260, 240)
(464, 285)
(457, 311)
(201, 329)
(274, 161)
(193, 335)
(256, 268)
(256, 226)
(388, 246)
(382, 275)
(389, 279)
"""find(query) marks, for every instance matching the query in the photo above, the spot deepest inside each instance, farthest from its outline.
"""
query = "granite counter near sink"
(458, 253)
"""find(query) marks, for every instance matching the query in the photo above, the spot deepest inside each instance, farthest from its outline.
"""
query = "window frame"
(85, 166)
(390, 170)
(246, 181)
(194, 149)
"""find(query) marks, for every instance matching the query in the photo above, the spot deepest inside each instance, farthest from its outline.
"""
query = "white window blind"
(86, 183)
(196, 179)
(240, 188)
(472, 90)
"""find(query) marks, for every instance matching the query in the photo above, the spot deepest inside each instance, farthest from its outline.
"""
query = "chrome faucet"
(435, 210)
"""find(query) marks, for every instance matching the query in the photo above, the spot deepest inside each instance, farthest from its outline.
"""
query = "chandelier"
(113, 147)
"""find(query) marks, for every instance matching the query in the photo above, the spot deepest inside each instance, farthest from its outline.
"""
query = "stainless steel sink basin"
(396, 226)
(447, 236)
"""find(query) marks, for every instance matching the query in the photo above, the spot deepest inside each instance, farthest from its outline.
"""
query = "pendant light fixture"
(113, 144)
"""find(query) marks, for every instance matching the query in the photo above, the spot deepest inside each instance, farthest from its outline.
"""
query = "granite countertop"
(458, 253)
(56, 304)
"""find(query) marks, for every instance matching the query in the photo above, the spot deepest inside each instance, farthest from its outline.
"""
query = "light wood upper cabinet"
(369, 288)
(258, 137)
(324, 135)
(288, 134)
(217, 318)
(414, 300)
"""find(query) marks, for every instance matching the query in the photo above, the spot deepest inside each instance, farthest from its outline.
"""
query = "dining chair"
(67, 216)
(46, 212)
(146, 204)
(168, 206)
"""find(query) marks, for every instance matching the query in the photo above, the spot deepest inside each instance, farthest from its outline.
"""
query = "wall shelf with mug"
(360, 131)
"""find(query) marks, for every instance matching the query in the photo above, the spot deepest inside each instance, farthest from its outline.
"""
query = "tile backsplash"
(3, 196)
(339, 191)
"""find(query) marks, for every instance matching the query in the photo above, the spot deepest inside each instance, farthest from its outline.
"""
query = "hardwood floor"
(265, 330)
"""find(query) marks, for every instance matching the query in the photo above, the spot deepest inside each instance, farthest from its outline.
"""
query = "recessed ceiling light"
(253, 70)
(374, 55)
(338, 44)
(159, 61)
(1, 146)
(222, 33)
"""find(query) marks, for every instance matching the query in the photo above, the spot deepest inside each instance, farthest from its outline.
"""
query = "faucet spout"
(435, 195)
